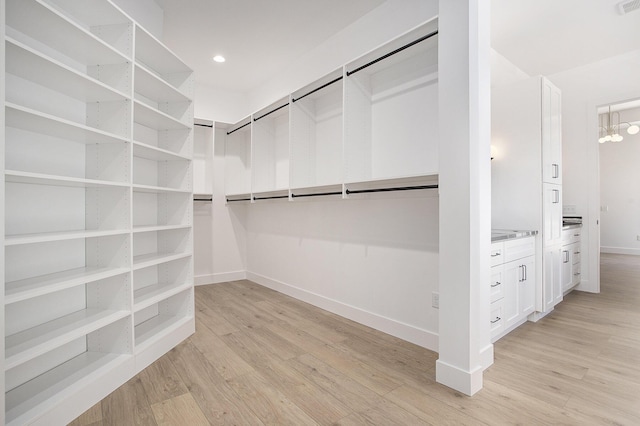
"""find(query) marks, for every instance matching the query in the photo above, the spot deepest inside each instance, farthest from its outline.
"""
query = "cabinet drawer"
(497, 253)
(496, 318)
(497, 283)
(571, 235)
(519, 248)
(575, 253)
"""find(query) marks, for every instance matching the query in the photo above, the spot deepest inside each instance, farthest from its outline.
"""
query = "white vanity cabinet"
(526, 173)
(512, 283)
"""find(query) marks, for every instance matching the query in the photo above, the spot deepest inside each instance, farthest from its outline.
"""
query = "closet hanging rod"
(235, 130)
(273, 197)
(315, 90)
(238, 199)
(398, 188)
(203, 199)
(271, 112)
(316, 194)
(203, 125)
(398, 50)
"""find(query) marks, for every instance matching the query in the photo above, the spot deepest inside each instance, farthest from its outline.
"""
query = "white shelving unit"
(270, 148)
(316, 133)
(238, 160)
(391, 110)
(370, 126)
(98, 213)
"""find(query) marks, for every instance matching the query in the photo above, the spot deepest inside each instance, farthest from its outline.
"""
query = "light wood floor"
(259, 357)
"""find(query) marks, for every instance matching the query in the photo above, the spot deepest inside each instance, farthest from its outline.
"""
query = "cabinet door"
(513, 276)
(551, 283)
(552, 213)
(551, 133)
(527, 287)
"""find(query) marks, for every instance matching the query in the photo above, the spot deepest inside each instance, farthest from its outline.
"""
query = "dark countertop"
(508, 234)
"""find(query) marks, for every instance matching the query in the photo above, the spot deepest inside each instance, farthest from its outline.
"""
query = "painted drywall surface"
(146, 12)
(228, 232)
(583, 88)
(220, 105)
(375, 257)
(620, 191)
(503, 71)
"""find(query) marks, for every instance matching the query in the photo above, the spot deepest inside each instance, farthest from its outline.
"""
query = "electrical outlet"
(569, 209)
(435, 298)
(604, 208)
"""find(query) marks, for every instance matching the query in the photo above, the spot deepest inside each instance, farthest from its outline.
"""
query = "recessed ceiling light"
(219, 58)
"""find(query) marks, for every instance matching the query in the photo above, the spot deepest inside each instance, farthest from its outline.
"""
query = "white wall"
(146, 12)
(220, 105)
(583, 89)
(620, 191)
(503, 71)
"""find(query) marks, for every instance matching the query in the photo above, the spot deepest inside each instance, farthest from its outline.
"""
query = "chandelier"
(610, 126)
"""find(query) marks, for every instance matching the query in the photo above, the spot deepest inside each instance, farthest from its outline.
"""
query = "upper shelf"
(153, 87)
(27, 63)
(42, 22)
(156, 56)
(155, 119)
(24, 118)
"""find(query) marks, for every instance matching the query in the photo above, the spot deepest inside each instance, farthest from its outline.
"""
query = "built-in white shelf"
(154, 228)
(19, 290)
(155, 119)
(87, 209)
(29, 64)
(155, 328)
(26, 345)
(60, 33)
(150, 152)
(149, 295)
(44, 179)
(59, 383)
(32, 120)
(159, 189)
(14, 240)
(156, 56)
(153, 87)
(152, 259)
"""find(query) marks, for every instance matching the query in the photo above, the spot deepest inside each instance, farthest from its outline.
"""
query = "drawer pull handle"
(577, 252)
(576, 235)
(496, 320)
(576, 274)
(495, 254)
(496, 284)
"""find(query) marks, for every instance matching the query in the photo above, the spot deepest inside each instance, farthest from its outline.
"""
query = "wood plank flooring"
(261, 358)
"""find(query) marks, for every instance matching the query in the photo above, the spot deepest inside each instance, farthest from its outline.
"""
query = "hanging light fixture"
(610, 127)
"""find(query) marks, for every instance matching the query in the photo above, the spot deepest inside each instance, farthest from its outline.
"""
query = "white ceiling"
(257, 37)
(260, 37)
(549, 36)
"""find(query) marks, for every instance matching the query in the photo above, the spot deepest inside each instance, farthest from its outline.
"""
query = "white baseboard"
(426, 339)
(620, 250)
(467, 382)
(219, 277)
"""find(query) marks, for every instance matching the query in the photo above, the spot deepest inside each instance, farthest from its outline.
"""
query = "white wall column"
(465, 349)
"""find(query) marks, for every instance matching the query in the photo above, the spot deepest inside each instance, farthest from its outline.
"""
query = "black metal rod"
(203, 199)
(399, 188)
(271, 112)
(398, 50)
(319, 88)
(235, 130)
(203, 125)
(239, 199)
(273, 197)
(316, 194)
